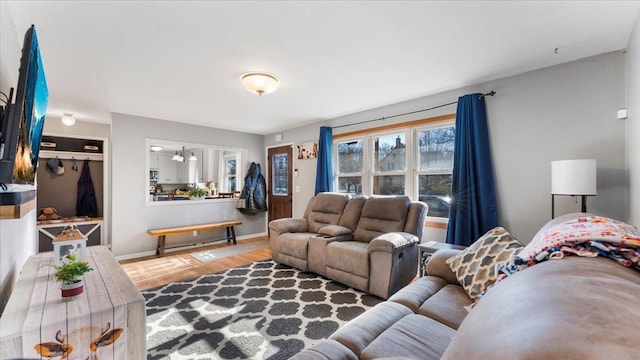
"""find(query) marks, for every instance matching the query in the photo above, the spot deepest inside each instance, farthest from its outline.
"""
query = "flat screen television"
(23, 119)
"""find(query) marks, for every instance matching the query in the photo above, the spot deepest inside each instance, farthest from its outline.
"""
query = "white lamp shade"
(573, 177)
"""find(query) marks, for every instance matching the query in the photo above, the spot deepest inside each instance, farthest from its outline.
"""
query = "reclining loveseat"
(368, 243)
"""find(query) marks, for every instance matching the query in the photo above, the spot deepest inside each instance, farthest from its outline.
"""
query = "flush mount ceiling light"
(68, 119)
(260, 83)
(155, 147)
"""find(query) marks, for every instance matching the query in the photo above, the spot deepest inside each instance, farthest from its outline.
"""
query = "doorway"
(280, 182)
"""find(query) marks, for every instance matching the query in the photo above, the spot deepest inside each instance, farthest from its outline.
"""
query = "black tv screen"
(23, 119)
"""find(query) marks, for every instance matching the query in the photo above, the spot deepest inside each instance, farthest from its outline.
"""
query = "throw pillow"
(475, 266)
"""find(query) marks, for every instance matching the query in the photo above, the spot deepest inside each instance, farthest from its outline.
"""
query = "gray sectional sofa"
(369, 243)
(573, 308)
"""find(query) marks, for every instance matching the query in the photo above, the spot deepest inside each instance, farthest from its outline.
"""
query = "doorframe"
(293, 177)
(106, 180)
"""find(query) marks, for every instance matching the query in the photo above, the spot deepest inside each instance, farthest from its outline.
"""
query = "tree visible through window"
(350, 166)
(435, 154)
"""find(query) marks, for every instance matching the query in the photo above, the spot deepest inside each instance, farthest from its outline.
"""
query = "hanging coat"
(86, 203)
(252, 198)
(260, 192)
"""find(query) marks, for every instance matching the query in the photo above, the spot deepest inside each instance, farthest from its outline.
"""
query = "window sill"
(436, 222)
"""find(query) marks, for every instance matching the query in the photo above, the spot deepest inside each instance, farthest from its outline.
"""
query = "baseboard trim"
(166, 251)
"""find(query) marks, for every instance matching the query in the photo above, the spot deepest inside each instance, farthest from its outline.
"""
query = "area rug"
(223, 252)
(258, 311)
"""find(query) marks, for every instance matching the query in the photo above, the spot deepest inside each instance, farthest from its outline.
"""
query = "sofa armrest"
(437, 265)
(391, 242)
(335, 230)
(289, 225)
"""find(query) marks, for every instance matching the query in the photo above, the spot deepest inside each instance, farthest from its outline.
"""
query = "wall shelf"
(16, 211)
(68, 155)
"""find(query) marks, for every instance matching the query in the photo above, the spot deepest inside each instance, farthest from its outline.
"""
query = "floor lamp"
(573, 178)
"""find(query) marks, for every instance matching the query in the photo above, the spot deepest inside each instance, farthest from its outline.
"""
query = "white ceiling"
(181, 60)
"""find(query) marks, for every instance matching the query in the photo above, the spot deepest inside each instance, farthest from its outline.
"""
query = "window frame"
(412, 170)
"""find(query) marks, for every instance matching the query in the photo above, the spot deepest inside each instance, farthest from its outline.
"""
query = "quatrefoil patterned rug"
(258, 311)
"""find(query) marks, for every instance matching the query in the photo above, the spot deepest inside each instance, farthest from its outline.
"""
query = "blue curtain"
(324, 172)
(473, 205)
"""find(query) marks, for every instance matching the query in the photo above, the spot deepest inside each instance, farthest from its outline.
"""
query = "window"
(280, 176)
(350, 166)
(414, 160)
(228, 173)
(435, 159)
(389, 164)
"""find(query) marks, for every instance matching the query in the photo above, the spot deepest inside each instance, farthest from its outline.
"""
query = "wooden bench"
(162, 233)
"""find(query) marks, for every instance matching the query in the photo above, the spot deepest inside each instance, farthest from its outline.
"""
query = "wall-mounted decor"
(308, 150)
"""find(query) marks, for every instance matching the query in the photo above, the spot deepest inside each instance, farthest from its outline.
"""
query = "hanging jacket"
(253, 195)
(86, 202)
(260, 192)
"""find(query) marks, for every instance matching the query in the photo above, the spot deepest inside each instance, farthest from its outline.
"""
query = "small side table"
(428, 248)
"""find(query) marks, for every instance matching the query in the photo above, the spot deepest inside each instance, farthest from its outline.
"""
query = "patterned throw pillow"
(475, 266)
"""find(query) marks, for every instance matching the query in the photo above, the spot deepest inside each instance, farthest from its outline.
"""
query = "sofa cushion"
(475, 266)
(295, 244)
(361, 331)
(326, 210)
(381, 215)
(447, 306)
(326, 350)
(349, 256)
(416, 293)
(414, 337)
(351, 214)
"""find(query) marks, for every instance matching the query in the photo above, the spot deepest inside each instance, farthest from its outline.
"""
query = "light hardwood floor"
(152, 271)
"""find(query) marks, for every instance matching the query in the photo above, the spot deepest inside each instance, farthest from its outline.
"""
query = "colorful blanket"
(589, 236)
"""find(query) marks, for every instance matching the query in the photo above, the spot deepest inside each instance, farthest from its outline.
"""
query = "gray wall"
(131, 217)
(81, 129)
(633, 123)
(562, 112)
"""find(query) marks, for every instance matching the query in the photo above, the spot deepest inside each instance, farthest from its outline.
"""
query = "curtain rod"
(490, 93)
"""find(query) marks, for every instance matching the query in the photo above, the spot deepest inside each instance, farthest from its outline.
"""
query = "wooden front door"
(280, 182)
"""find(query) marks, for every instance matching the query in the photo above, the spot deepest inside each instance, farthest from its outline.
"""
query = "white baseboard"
(166, 251)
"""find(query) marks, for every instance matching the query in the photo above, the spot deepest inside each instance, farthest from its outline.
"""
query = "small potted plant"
(69, 272)
(197, 193)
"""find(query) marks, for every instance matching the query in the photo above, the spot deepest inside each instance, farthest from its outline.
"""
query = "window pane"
(232, 184)
(350, 157)
(350, 184)
(388, 185)
(436, 149)
(231, 167)
(435, 191)
(389, 153)
(280, 172)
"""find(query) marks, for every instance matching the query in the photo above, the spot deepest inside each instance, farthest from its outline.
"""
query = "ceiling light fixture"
(260, 83)
(155, 147)
(177, 157)
(180, 156)
(68, 119)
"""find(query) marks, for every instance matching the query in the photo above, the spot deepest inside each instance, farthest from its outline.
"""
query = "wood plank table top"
(36, 319)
